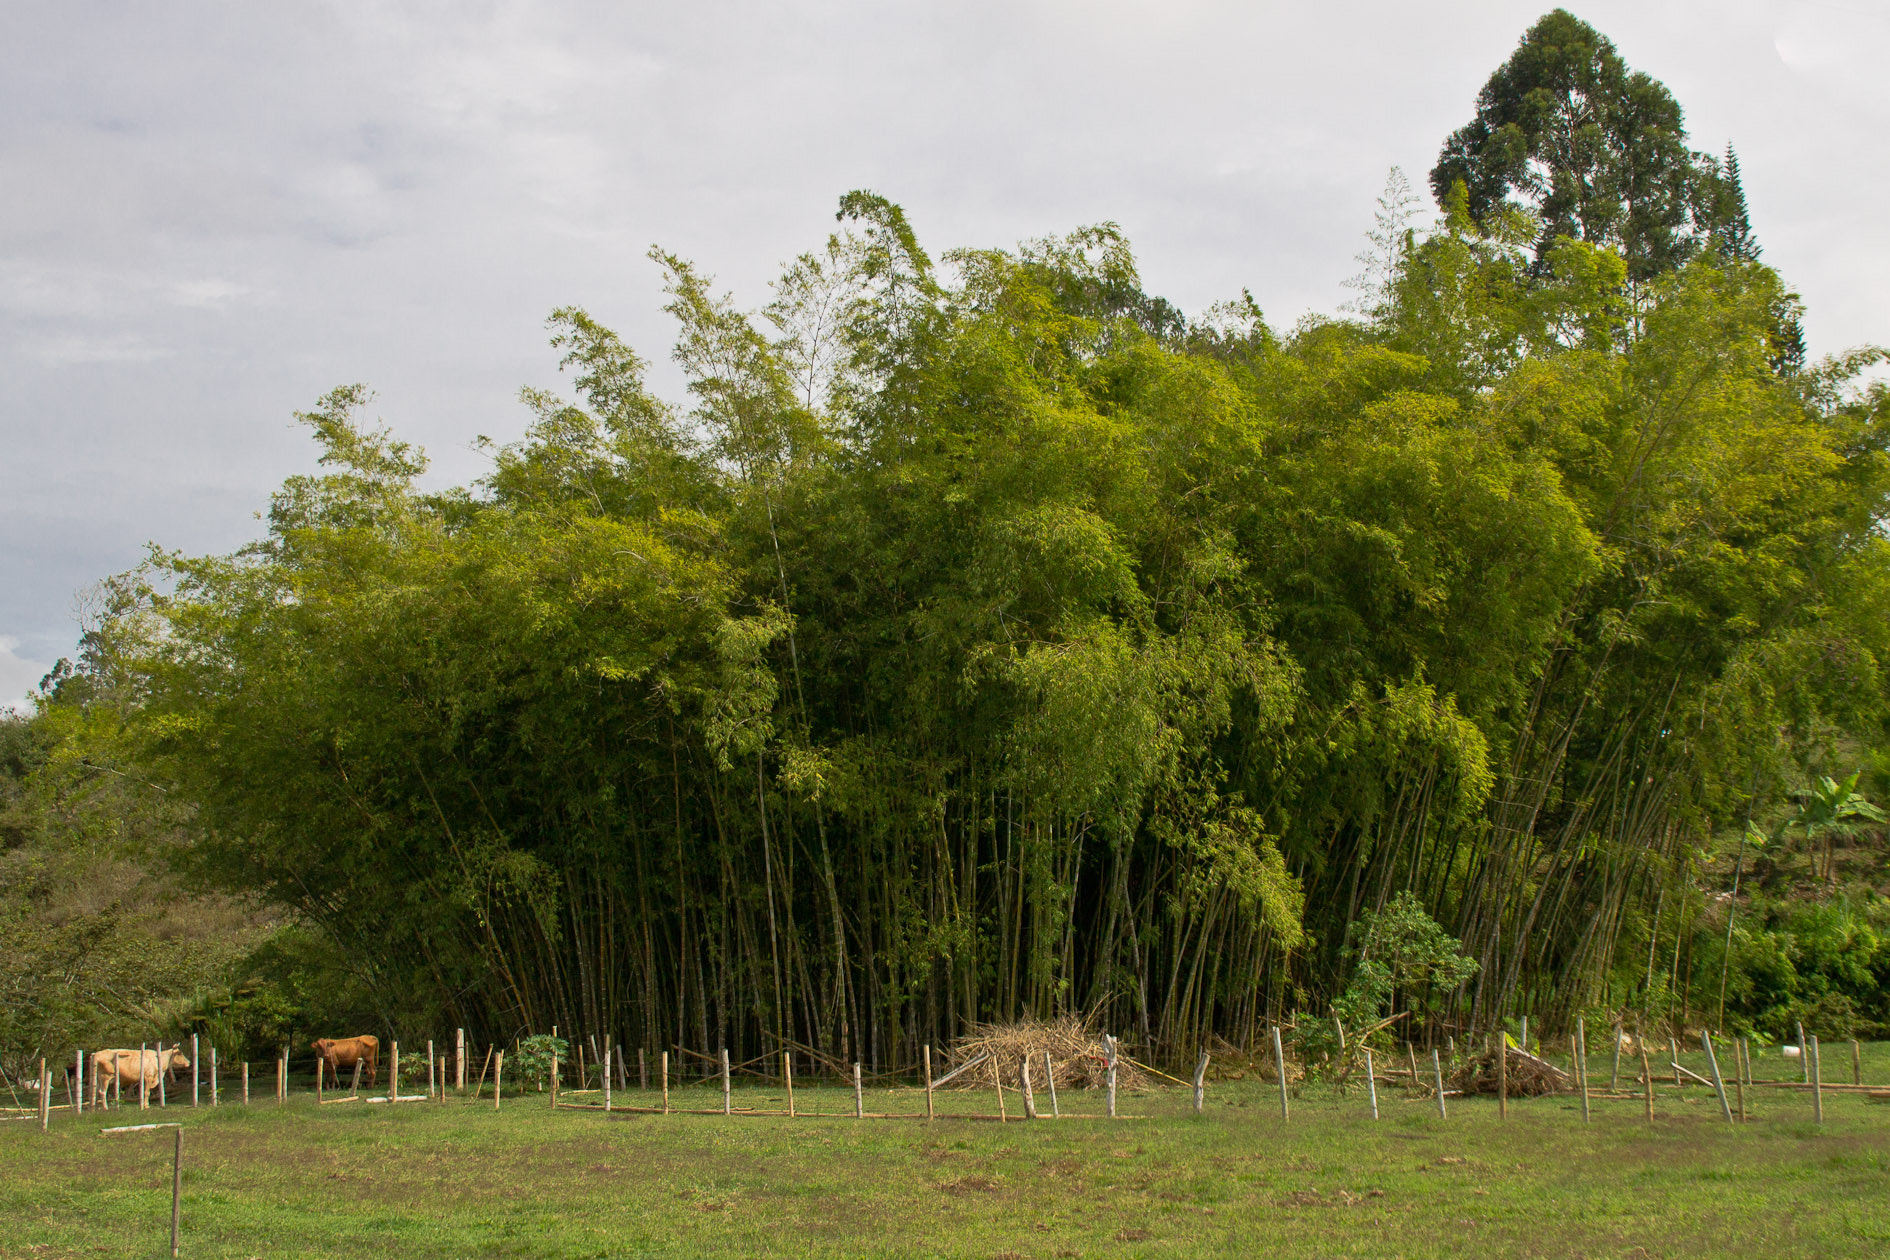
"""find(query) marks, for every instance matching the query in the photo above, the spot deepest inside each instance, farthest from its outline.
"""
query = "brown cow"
(344, 1052)
(123, 1066)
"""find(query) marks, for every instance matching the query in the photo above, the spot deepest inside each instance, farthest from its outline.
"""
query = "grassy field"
(457, 1179)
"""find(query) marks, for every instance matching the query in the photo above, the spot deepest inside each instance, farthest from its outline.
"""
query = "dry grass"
(1078, 1057)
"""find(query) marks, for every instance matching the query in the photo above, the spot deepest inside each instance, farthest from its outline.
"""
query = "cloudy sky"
(210, 213)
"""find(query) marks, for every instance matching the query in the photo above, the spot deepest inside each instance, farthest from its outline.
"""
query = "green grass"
(456, 1179)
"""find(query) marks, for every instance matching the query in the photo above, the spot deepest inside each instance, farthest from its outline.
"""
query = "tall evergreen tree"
(1597, 150)
(1732, 227)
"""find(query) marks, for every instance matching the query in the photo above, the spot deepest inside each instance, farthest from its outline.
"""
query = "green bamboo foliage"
(985, 639)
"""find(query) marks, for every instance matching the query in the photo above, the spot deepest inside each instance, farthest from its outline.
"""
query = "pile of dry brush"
(1078, 1057)
(1529, 1077)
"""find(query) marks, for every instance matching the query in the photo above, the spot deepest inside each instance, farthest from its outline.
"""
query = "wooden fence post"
(787, 1078)
(1279, 1068)
(1437, 1075)
(78, 1066)
(1502, 1074)
(1109, 1043)
(196, 1076)
(925, 1054)
(1804, 1051)
(607, 1081)
(177, 1183)
(1741, 1068)
(45, 1096)
(1614, 1074)
(1050, 1078)
(1817, 1083)
(282, 1078)
(1371, 1082)
(1719, 1085)
(1647, 1080)
(430, 1093)
(246, 1082)
(1581, 1062)
(1023, 1087)
(498, 1078)
(997, 1080)
(1200, 1082)
(354, 1081)
(144, 1079)
(393, 1075)
(162, 1074)
(665, 1082)
(459, 1059)
(321, 1077)
(1857, 1063)
(554, 1080)
(214, 1100)
(859, 1098)
(726, 1109)
(643, 1071)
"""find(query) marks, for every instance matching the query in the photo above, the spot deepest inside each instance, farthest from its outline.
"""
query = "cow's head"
(175, 1059)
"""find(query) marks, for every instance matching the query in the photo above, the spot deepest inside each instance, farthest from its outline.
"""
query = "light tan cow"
(123, 1066)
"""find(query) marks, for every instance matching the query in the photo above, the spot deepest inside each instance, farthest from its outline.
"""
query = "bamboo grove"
(982, 637)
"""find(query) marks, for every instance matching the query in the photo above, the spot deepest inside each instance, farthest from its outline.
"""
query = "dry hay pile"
(1529, 1077)
(1078, 1058)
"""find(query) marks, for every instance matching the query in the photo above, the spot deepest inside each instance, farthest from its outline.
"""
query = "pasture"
(456, 1178)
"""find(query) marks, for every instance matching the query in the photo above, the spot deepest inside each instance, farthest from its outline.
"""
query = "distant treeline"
(986, 638)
